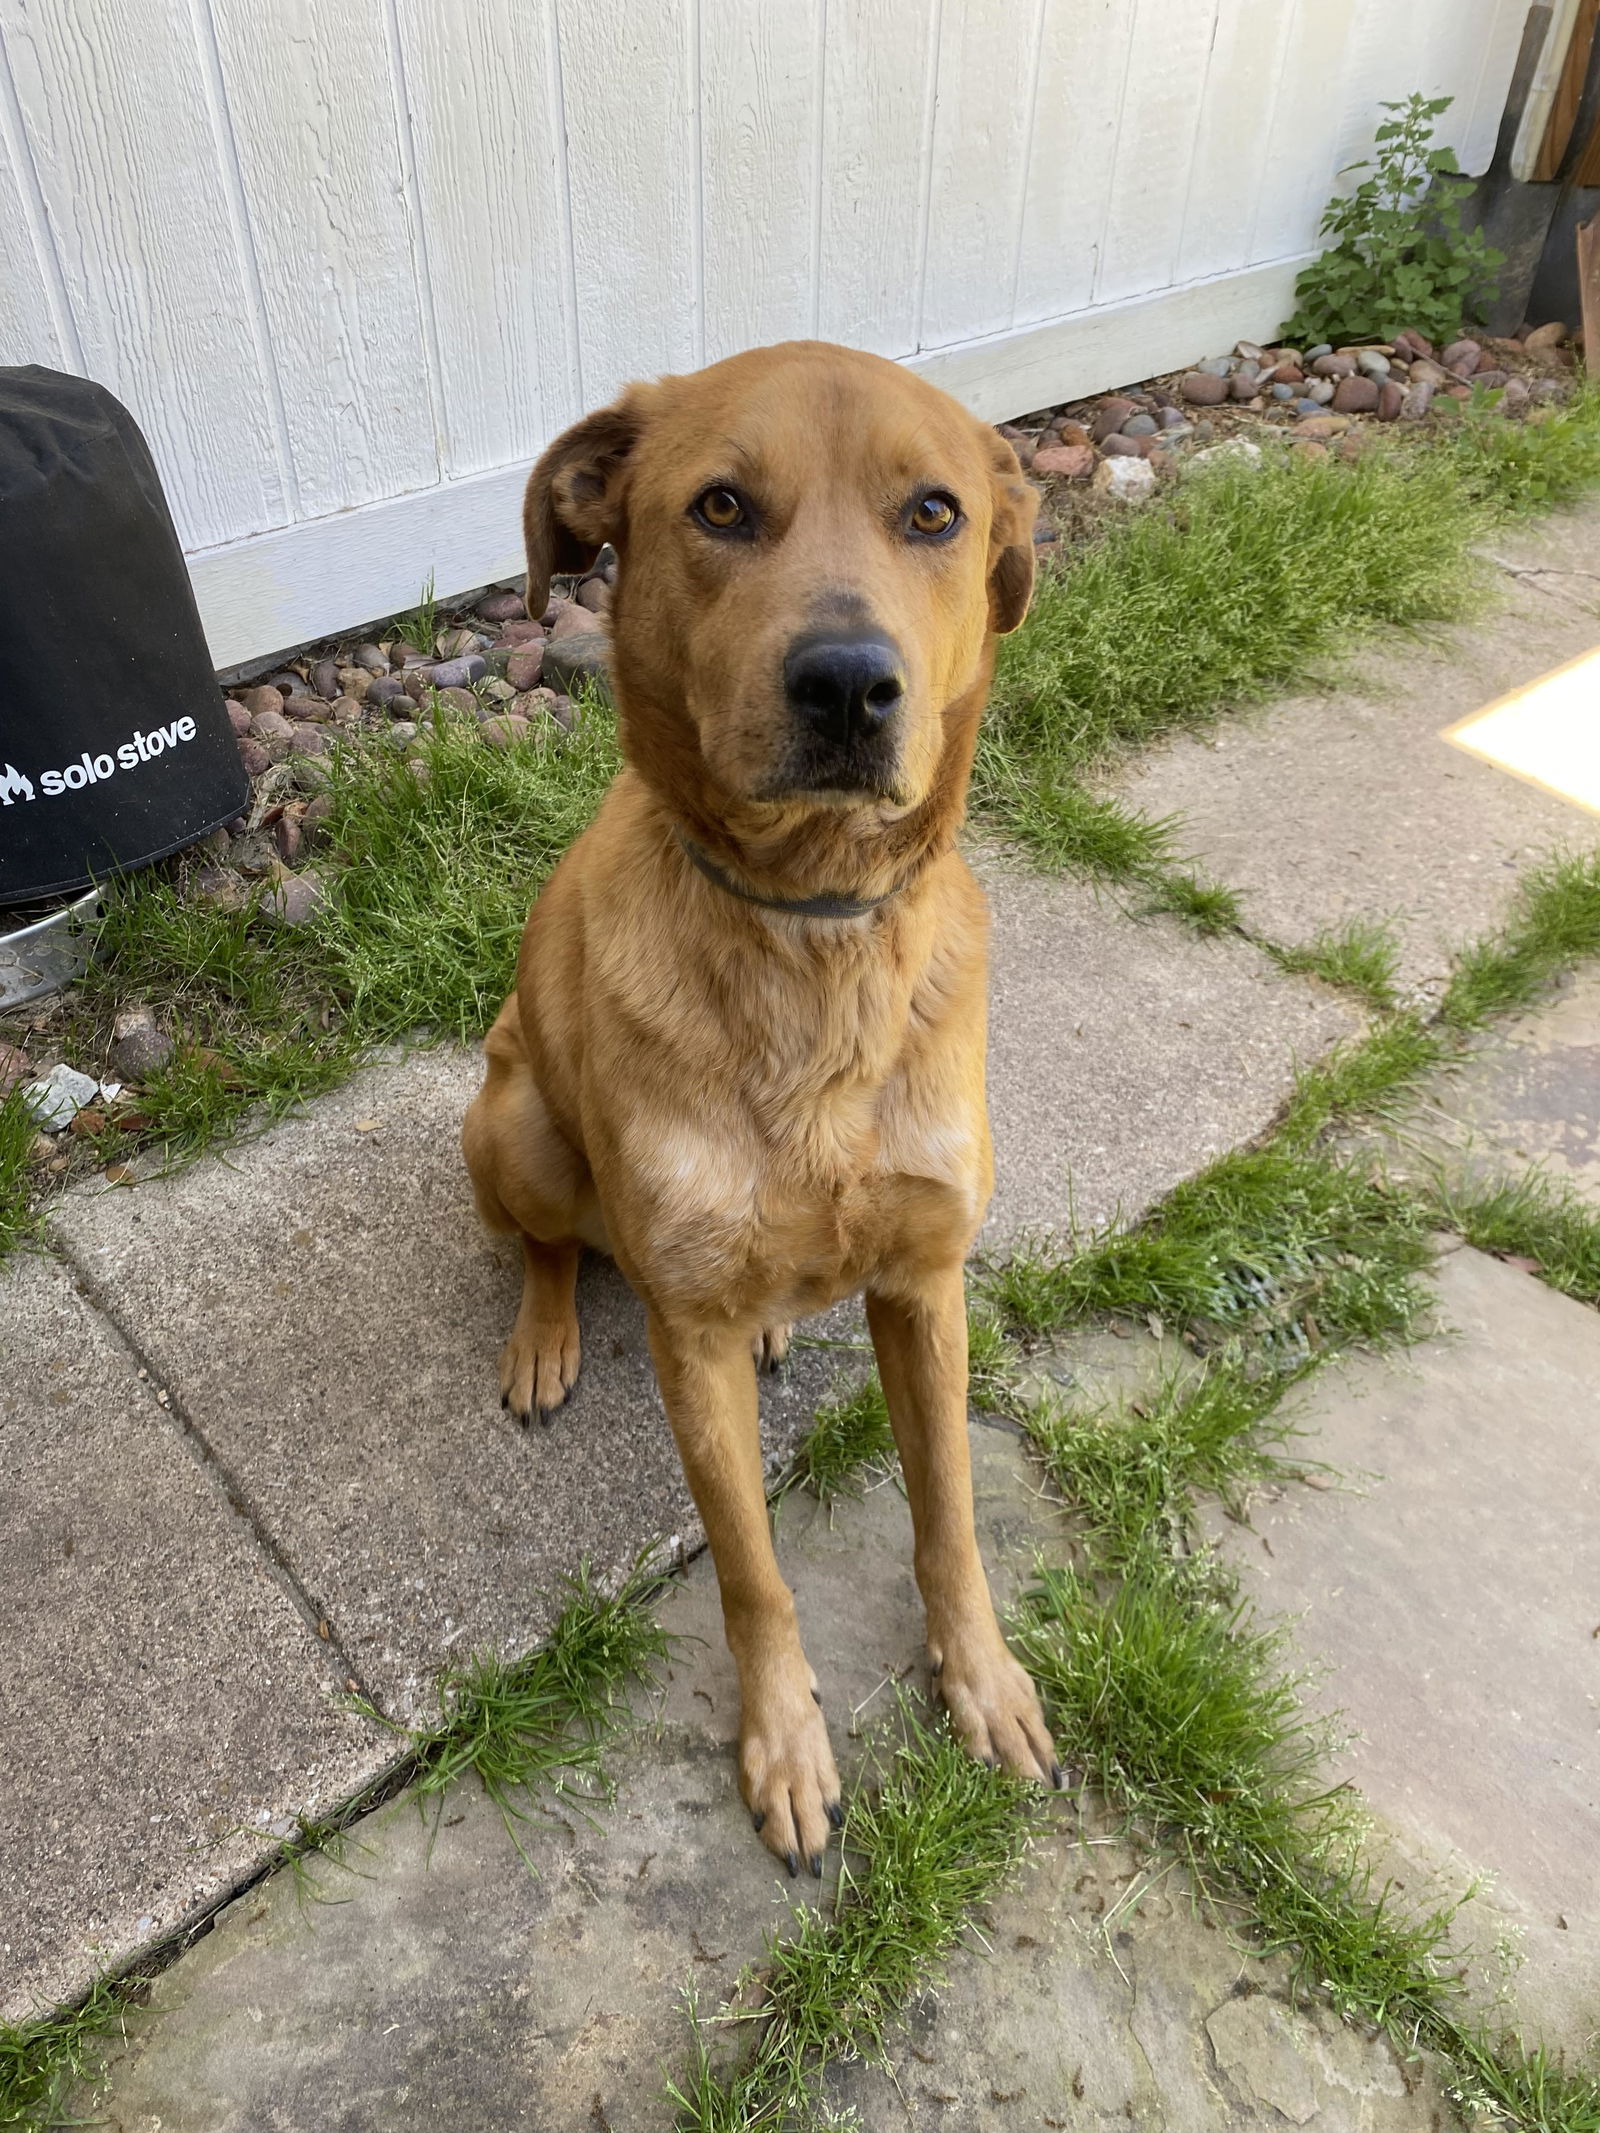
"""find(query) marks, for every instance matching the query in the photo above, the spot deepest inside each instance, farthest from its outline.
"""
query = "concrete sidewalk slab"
(467, 1991)
(162, 1700)
(1528, 1094)
(1452, 1593)
(1347, 805)
(1125, 1055)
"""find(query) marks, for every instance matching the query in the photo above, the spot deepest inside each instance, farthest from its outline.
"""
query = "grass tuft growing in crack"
(848, 1444)
(18, 1223)
(1556, 923)
(1509, 469)
(1362, 957)
(42, 2062)
(1131, 1470)
(926, 1843)
(1535, 1216)
(1178, 1704)
(1297, 1249)
(541, 1723)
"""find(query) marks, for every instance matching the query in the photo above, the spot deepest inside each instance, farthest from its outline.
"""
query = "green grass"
(42, 2062)
(1362, 956)
(922, 1848)
(420, 628)
(1131, 1470)
(435, 878)
(1536, 1217)
(1244, 581)
(540, 1724)
(1298, 1249)
(849, 1442)
(1555, 924)
(18, 1223)
(1509, 469)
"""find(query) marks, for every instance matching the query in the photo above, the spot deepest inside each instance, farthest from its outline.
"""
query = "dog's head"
(817, 551)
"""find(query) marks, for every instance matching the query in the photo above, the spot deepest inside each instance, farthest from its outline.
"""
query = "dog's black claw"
(505, 1403)
(547, 1416)
(993, 1761)
(816, 1698)
(758, 1821)
(1058, 1777)
(836, 1814)
(792, 1862)
(816, 1864)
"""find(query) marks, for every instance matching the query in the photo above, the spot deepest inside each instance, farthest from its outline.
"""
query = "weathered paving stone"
(1528, 1095)
(162, 1702)
(1348, 805)
(442, 1982)
(1449, 1594)
(1124, 1055)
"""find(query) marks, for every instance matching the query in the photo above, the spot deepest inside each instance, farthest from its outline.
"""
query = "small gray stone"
(1173, 418)
(1418, 399)
(295, 899)
(504, 729)
(1119, 447)
(1216, 367)
(1140, 426)
(457, 673)
(1248, 352)
(1335, 366)
(401, 733)
(502, 607)
(388, 689)
(56, 1098)
(1128, 480)
(139, 1046)
(219, 886)
(325, 679)
(369, 657)
(1320, 390)
(1232, 452)
(309, 740)
(1323, 348)
(1284, 392)
(570, 662)
(1374, 364)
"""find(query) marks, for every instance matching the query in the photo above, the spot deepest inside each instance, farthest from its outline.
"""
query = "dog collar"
(797, 906)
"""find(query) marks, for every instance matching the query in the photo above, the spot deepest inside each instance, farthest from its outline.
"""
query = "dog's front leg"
(786, 1768)
(920, 1336)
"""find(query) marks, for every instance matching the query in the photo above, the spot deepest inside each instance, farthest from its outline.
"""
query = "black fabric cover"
(114, 745)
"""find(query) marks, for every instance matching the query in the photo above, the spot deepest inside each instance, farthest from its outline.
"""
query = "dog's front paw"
(786, 1769)
(993, 1705)
(539, 1367)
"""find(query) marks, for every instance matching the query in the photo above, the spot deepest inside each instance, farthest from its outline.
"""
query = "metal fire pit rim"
(32, 962)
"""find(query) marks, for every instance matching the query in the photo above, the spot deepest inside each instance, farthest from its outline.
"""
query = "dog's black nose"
(844, 686)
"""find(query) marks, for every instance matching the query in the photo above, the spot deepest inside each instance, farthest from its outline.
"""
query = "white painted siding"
(353, 262)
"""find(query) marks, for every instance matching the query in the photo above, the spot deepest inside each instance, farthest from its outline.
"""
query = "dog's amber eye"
(935, 513)
(720, 509)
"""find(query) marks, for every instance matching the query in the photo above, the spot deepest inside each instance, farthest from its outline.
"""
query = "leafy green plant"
(1399, 259)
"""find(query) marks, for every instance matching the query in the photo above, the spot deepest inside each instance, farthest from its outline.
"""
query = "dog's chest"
(734, 1216)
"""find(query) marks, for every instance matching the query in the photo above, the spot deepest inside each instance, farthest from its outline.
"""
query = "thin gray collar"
(826, 906)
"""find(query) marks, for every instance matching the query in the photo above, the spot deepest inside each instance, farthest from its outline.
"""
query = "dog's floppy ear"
(1016, 505)
(576, 495)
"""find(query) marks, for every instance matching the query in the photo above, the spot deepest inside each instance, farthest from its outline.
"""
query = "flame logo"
(14, 786)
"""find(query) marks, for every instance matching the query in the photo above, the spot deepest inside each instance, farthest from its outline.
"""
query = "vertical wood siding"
(353, 262)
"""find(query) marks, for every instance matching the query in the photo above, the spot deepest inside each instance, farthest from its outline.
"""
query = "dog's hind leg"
(531, 1182)
(539, 1363)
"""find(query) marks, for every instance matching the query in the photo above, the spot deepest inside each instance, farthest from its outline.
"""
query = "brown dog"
(745, 1053)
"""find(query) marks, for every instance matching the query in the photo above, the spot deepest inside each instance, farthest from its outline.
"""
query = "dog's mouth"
(830, 774)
